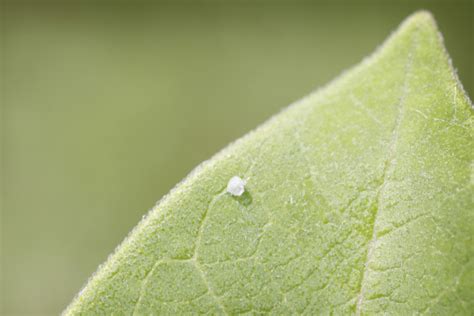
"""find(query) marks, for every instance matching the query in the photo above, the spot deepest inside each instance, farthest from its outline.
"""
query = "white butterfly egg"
(236, 186)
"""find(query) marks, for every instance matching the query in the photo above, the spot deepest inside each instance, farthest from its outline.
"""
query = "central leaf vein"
(389, 166)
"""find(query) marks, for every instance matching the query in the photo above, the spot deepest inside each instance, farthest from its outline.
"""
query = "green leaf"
(358, 200)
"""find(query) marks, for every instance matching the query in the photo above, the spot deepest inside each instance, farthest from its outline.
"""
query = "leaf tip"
(425, 21)
(421, 18)
(422, 15)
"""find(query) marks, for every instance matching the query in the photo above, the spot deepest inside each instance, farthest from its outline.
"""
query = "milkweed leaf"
(358, 200)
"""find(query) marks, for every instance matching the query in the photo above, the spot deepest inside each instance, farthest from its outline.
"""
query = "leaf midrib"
(389, 164)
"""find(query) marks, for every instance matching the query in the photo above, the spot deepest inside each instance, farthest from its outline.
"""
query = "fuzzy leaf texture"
(358, 200)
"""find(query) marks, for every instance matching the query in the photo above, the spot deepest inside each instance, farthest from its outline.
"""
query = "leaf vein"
(389, 165)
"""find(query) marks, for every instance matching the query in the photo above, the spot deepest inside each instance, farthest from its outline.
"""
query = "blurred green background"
(106, 106)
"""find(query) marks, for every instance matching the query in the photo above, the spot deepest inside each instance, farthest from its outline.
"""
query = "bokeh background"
(107, 105)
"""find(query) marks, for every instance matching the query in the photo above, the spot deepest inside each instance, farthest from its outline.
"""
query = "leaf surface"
(358, 200)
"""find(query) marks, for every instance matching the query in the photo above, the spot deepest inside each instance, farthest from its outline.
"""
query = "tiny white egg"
(236, 186)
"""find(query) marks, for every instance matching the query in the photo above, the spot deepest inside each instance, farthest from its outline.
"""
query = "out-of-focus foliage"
(105, 107)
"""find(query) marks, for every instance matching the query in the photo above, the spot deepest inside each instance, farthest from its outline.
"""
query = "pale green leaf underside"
(358, 201)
